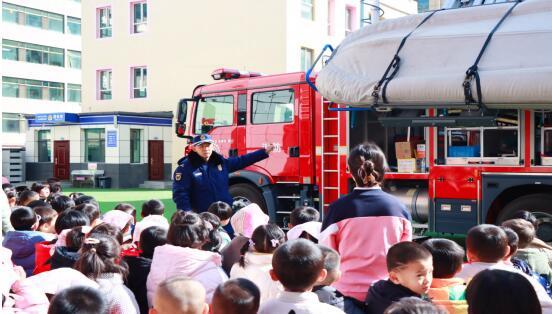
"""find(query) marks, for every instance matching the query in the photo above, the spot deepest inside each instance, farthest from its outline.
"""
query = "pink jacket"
(169, 260)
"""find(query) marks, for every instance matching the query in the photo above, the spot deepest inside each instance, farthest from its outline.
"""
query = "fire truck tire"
(539, 205)
(244, 192)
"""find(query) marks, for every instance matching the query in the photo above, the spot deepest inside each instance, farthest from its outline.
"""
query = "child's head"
(153, 207)
(61, 202)
(43, 189)
(100, 254)
(74, 239)
(109, 230)
(331, 265)
(222, 210)
(367, 164)
(245, 220)
(79, 299)
(501, 291)
(447, 255)
(23, 218)
(38, 203)
(486, 243)
(127, 208)
(120, 219)
(298, 265)
(236, 296)
(301, 215)
(69, 219)
(215, 240)
(265, 239)
(180, 295)
(410, 265)
(308, 230)
(513, 242)
(527, 215)
(86, 199)
(524, 229)
(48, 218)
(55, 185)
(75, 195)
(187, 229)
(413, 305)
(150, 238)
(27, 196)
(90, 210)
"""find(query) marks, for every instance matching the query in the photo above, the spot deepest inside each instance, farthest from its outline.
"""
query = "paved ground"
(111, 197)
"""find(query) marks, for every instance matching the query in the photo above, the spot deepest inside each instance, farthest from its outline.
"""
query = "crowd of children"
(60, 254)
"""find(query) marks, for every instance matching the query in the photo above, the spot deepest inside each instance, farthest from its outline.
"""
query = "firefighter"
(201, 177)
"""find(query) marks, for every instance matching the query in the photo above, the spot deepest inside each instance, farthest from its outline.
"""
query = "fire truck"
(481, 171)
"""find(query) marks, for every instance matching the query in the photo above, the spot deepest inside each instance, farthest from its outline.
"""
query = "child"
(67, 256)
(446, 290)
(536, 259)
(413, 305)
(26, 197)
(410, 269)
(244, 221)
(298, 265)
(69, 219)
(139, 266)
(121, 220)
(47, 221)
(182, 255)
(224, 212)
(256, 260)
(61, 202)
(43, 190)
(308, 230)
(323, 289)
(91, 211)
(486, 247)
(152, 215)
(213, 225)
(180, 295)
(110, 231)
(22, 240)
(99, 261)
(81, 299)
(236, 296)
(86, 199)
(302, 215)
(129, 209)
(536, 243)
(513, 244)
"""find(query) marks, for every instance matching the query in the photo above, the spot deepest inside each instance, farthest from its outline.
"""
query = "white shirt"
(299, 302)
(149, 221)
(257, 267)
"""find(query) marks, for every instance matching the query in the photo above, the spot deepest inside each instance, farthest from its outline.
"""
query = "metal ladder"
(330, 166)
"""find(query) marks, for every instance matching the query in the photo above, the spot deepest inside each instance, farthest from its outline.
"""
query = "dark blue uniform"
(197, 184)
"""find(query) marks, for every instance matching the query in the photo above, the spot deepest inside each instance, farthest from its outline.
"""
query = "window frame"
(133, 89)
(108, 27)
(310, 6)
(99, 90)
(196, 111)
(45, 54)
(143, 21)
(252, 111)
(71, 54)
(304, 66)
(73, 20)
(135, 144)
(100, 140)
(72, 87)
(48, 142)
(7, 116)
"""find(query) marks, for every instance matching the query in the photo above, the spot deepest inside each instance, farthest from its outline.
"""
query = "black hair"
(527, 215)
(38, 186)
(74, 239)
(264, 239)
(513, 240)
(403, 253)
(501, 291)
(26, 196)
(150, 238)
(331, 258)
(79, 299)
(303, 214)
(413, 305)
(187, 229)
(221, 209)
(126, 207)
(236, 296)
(75, 195)
(109, 230)
(86, 199)
(153, 207)
(524, 229)
(90, 210)
(9, 190)
(22, 218)
(297, 264)
(488, 242)
(69, 219)
(99, 255)
(367, 164)
(215, 240)
(38, 203)
(47, 214)
(447, 255)
(61, 202)
(55, 185)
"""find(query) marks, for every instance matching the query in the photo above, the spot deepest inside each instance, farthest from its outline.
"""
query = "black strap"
(395, 64)
(473, 71)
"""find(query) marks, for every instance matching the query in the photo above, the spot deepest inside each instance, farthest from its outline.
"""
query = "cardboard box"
(404, 150)
(420, 151)
(407, 165)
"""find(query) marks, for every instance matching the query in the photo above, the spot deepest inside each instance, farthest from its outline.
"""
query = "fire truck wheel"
(539, 205)
(244, 194)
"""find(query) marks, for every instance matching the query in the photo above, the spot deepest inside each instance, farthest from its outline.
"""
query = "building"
(40, 69)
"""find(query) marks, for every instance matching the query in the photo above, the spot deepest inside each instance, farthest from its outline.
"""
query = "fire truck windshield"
(213, 112)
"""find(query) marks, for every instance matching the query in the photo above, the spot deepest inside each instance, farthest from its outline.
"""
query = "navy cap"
(202, 138)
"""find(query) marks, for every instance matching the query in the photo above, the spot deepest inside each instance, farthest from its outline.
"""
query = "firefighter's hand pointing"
(270, 148)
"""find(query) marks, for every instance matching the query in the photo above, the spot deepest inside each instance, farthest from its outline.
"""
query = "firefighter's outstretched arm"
(237, 163)
(182, 184)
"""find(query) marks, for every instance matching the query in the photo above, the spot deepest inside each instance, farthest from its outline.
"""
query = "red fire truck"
(464, 169)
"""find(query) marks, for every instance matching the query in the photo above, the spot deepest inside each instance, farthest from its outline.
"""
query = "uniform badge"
(178, 176)
(220, 167)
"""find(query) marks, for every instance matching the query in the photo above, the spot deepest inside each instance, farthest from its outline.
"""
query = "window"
(9, 13)
(213, 112)
(139, 82)
(349, 19)
(32, 89)
(104, 78)
(307, 9)
(272, 107)
(135, 146)
(56, 91)
(20, 51)
(10, 122)
(139, 17)
(55, 22)
(74, 59)
(32, 17)
(10, 50)
(306, 59)
(44, 146)
(73, 25)
(94, 145)
(74, 92)
(104, 22)
(10, 87)
(331, 17)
